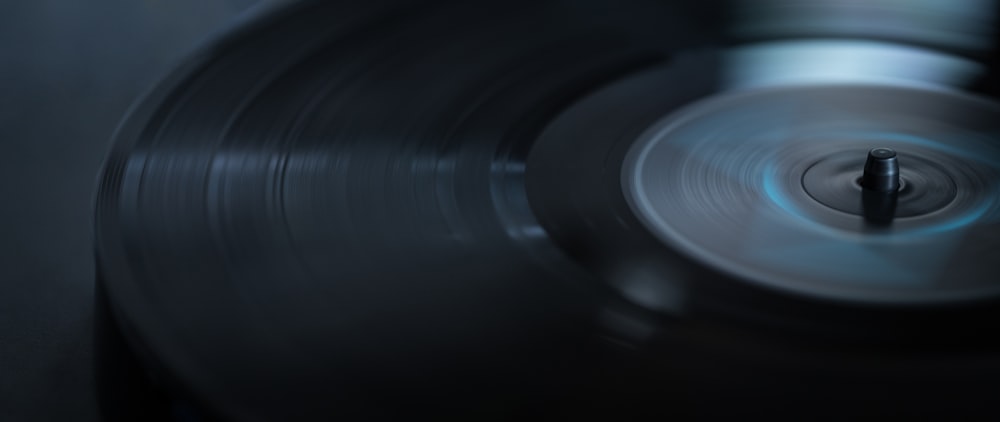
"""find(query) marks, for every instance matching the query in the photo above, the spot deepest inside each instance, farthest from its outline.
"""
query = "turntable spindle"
(881, 171)
(880, 182)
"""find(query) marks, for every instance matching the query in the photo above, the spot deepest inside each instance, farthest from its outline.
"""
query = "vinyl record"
(498, 210)
(767, 185)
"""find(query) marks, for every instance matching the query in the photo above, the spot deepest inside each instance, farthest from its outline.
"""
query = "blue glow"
(916, 140)
(956, 224)
(825, 61)
(774, 193)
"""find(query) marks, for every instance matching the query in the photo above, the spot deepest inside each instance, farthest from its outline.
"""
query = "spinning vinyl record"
(495, 210)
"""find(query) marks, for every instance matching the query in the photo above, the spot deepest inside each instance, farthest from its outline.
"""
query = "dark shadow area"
(68, 73)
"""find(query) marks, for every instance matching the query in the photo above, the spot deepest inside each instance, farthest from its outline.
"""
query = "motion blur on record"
(506, 210)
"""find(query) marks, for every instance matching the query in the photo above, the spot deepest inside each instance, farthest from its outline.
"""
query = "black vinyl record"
(498, 210)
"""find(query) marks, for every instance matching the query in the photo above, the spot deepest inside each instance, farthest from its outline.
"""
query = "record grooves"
(521, 209)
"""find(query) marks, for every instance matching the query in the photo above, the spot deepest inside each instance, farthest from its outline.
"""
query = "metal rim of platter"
(383, 208)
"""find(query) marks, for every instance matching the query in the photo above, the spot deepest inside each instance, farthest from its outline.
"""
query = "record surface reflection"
(381, 210)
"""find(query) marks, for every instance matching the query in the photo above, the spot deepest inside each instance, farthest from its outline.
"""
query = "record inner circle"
(764, 185)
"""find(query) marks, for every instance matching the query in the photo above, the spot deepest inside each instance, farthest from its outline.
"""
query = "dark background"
(69, 70)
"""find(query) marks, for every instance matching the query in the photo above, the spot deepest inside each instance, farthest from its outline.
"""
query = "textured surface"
(68, 73)
(371, 209)
(723, 181)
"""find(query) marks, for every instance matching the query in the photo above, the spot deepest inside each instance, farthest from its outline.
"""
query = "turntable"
(554, 209)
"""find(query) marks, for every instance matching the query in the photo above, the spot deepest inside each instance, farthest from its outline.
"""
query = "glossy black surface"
(379, 210)
(881, 171)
